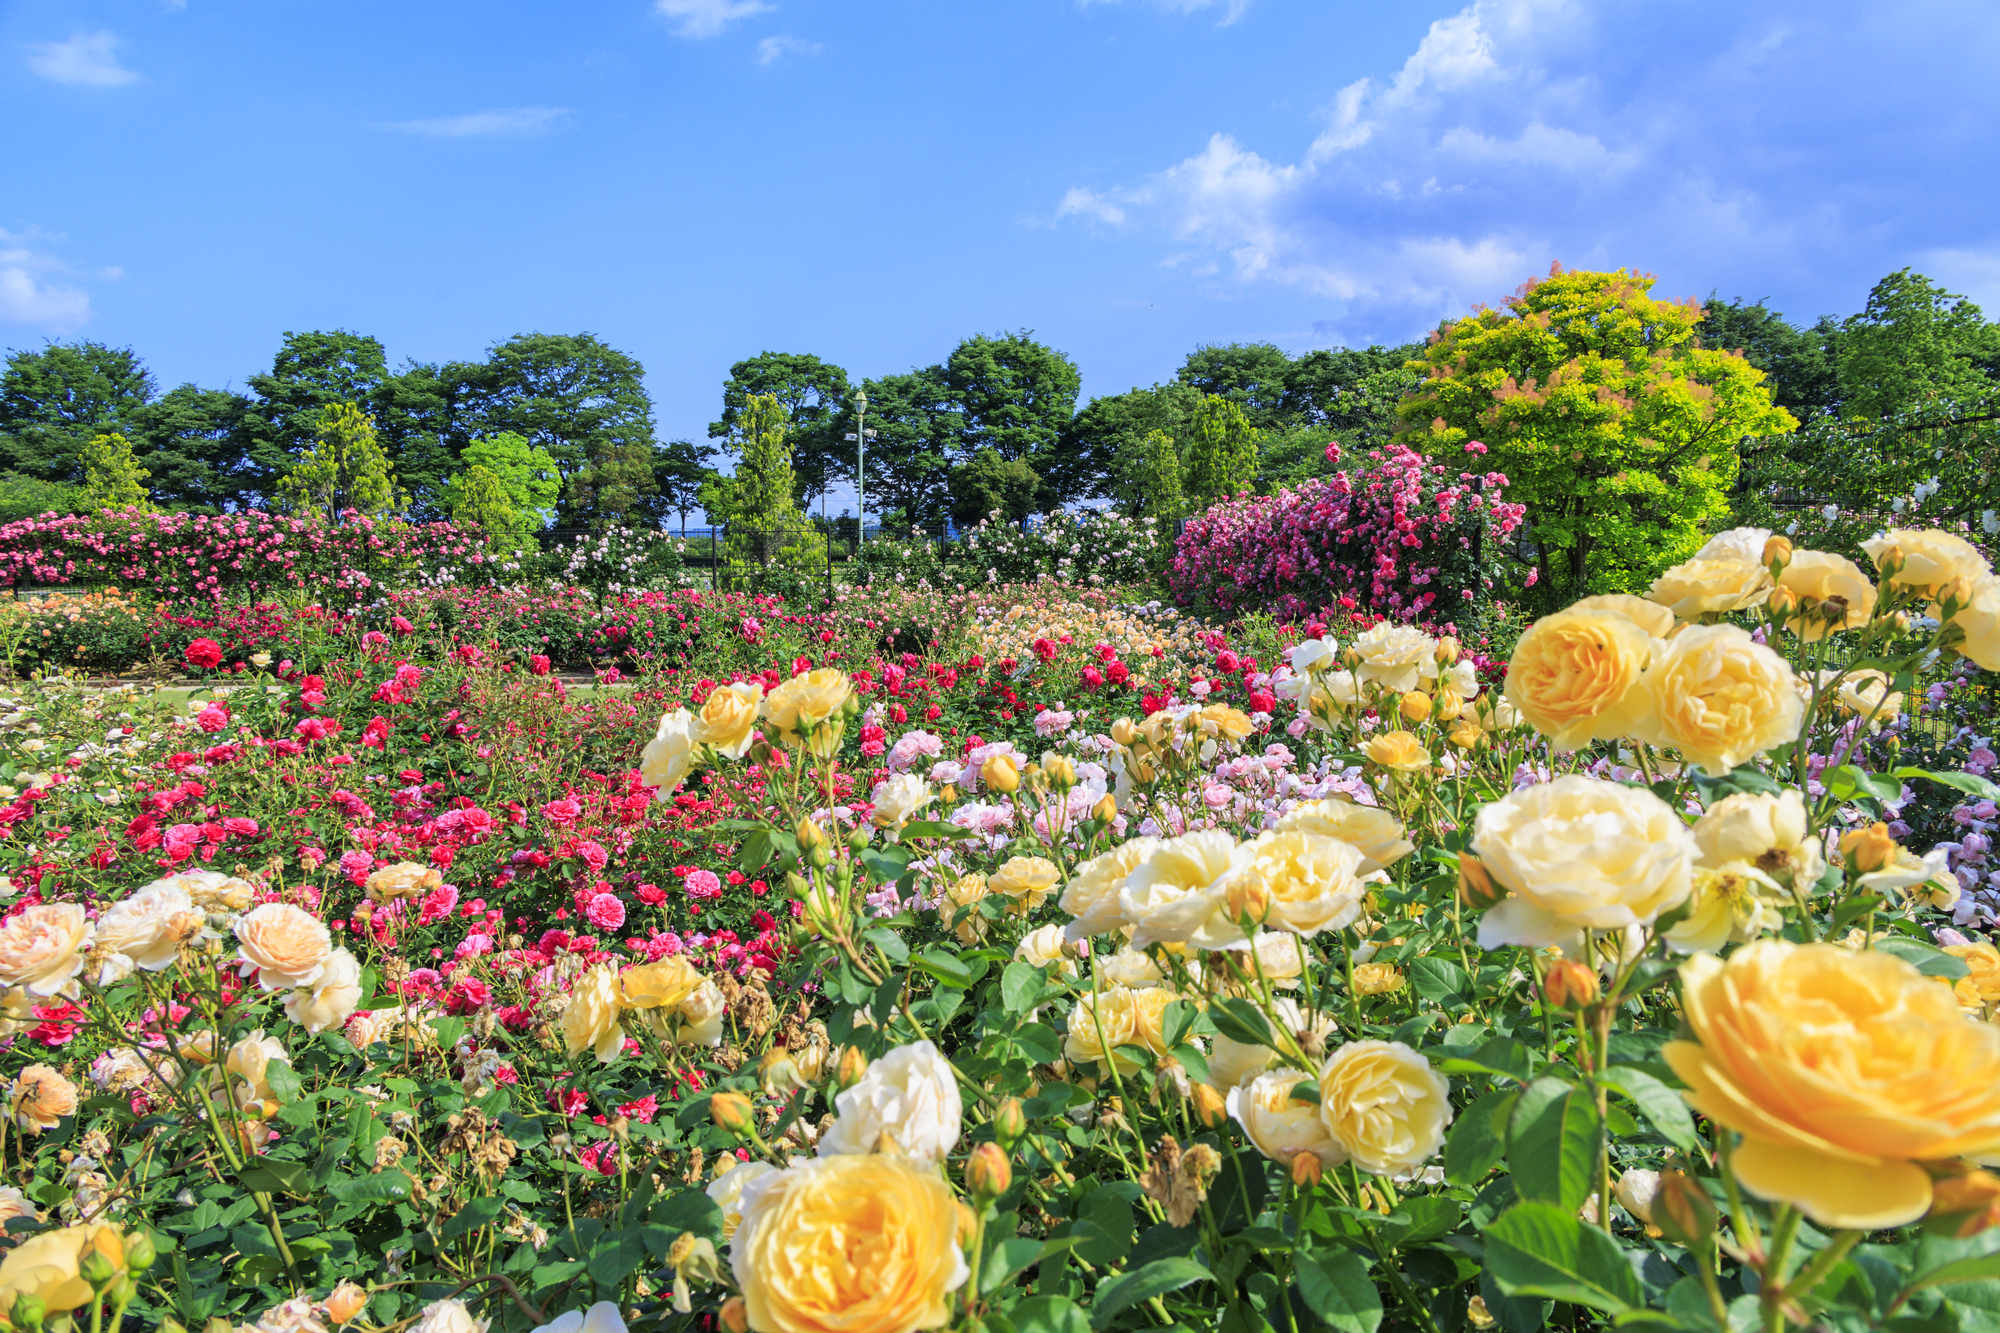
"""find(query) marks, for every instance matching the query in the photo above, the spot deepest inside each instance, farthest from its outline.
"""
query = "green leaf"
(1544, 1249)
(1020, 986)
(1424, 1217)
(273, 1177)
(1926, 958)
(1049, 1314)
(476, 1213)
(1501, 1056)
(1663, 1106)
(945, 966)
(1479, 1140)
(1969, 783)
(286, 1085)
(1240, 1020)
(1553, 1141)
(379, 1187)
(931, 828)
(1846, 783)
(1337, 1288)
(889, 942)
(1439, 980)
(1007, 1258)
(1141, 1284)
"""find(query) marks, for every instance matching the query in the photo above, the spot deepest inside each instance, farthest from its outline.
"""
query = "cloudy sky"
(871, 180)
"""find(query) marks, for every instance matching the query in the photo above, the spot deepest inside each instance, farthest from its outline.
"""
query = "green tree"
(814, 394)
(1254, 376)
(507, 486)
(1351, 392)
(1799, 365)
(916, 421)
(987, 484)
(1221, 451)
(715, 496)
(112, 477)
(1291, 454)
(56, 400)
(1156, 479)
(345, 469)
(763, 492)
(478, 495)
(1913, 342)
(1615, 427)
(31, 497)
(1102, 442)
(679, 467)
(1015, 396)
(312, 375)
(198, 445)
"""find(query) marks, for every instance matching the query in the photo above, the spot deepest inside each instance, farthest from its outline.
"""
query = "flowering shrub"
(1396, 537)
(1091, 547)
(1416, 991)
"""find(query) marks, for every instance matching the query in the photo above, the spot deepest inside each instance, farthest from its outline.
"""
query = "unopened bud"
(1447, 705)
(734, 1315)
(1683, 1210)
(1209, 1106)
(1106, 809)
(346, 1301)
(732, 1111)
(809, 835)
(853, 1064)
(96, 1269)
(29, 1310)
(1777, 551)
(987, 1172)
(968, 1224)
(1447, 651)
(1956, 593)
(1868, 849)
(1416, 706)
(1124, 732)
(1891, 561)
(140, 1252)
(1900, 622)
(1248, 899)
(1306, 1170)
(1476, 888)
(948, 793)
(858, 839)
(1061, 772)
(1966, 1205)
(1783, 603)
(1833, 610)
(999, 773)
(1569, 984)
(1010, 1122)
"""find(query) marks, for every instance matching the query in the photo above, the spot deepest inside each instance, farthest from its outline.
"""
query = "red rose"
(204, 653)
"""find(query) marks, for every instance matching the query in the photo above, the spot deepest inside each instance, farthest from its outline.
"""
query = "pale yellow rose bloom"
(727, 1190)
(1315, 881)
(1102, 1022)
(815, 699)
(669, 757)
(1931, 558)
(1377, 978)
(591, 1020)
(1149, 1009)
(1384, 1105)
(1843, 1071)
(1768, 832)
(1824, 581)
(1178, 894)
(1091, 896)
(405, 879)
(42, 947)
(1699, 587)
(1278, 1126)
(212, 890)
(1575, 676)
(247, 1071)
(41, 1098)
(856, 1243)
(1395, 656)
(898, 798)
(1025, 882)
(1378, 834)
(728, 718)
(1720, 698)
(1658, 621)
(1983, 960)
(48, 1266)
(1399, 751)
(1980, 623)
(662, 984)
(1221, 722)
(330, 998)
(1865, 693)
(285, 946)
(150, 926)
(964, 892)
(1731, 904)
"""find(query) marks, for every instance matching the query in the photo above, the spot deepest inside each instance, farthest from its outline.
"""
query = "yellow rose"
(41, 1098)
(405, 879)
(728, 718)
(727, 1189)
(1575, 676)
(814, 700)
(1827, 584)
(898, 798)
(1843, 1071)
(1984, 961)
(1384, 1105)
(1149, 1008)
(1314, 880)
(590, 1022)
(212, 890)
(1377, 978)
(1091, 896)
(1720, 698)
(1395, 656)
(285, 946)
(1025, 882)
(1580, 854)
(42, 947)
(854, 1243)
(1221, 722)
(964, 892)
(1980, 622)
(1768, 832)
(1102, 1022)
(1278, 1126)
(1699, 587)
(1398, 751)
(658, 985)
(1658, 621)
(1378, 834)
(1178, 894)
(1733, 904)
(47, 1266)
(247, 1070)
(1931, 558)
(669, 757)
(1865, 693)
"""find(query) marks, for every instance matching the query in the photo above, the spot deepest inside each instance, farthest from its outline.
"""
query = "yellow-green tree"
(1613, 424)
(112, 477)
(1222, 451)
(766, 527)
(1156, 478)
(345, 469)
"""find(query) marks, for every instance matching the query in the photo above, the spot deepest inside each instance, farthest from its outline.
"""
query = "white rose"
(1745, 544)
(1045, 945)
(727, 1191)
(1395, 656)
(668, 758)
(1768, 832)
(1278, 1126)
(449, 1316)
(899, 798)
(1131, 969)
(329, 1001)
(1176, 895)
(911, 1095)
(1313, 655)
(149, 926)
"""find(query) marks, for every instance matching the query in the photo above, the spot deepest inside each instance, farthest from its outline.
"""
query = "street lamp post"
(860, 435)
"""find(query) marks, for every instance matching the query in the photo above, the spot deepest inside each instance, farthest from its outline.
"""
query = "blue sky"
(871, 180)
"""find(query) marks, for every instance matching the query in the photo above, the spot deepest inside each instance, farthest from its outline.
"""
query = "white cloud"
(707, 18)
(772, 48)
(87, 60)
(27, 296)
(1695, 141)
(497, 123)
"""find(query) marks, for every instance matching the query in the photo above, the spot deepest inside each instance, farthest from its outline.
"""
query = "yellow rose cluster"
(677, 1004)
(807, 712)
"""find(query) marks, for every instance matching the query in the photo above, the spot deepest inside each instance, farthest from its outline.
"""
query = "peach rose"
(41, 1098)
(405, 879)
(1702, 586)
(1843, 1071)
(1720, 698)
(42, 947)
(285, 946)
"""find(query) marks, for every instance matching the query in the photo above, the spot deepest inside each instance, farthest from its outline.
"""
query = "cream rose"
(1843, 1071)
(15, 1204)
(1278, 1126)
(1131, 969)
(1177, 894)
(1046, 946)
(285, 946)
(1658, 621)
(899, 798)
(1733, 904)
(727, 1191)
(663, 984)
(1720, 698)
(669, 757)
(1231, 1063)
(910, 1096)
(48, 1267)
(1865, 693)
(247, 1070)
(405, 879)
(449, 1316)
(698, 1020)
(1315, 881)
(1575, 676)
(40, 1098)
(1580, 854)
(814, 699)
(1384, 1105)
(1703, 586)
(1827, 584)
(590, 1022)
(1376, 833)
(728, 718)
(848, 1244)
(1091, 896)
(1395, 657)
(1931, 558)
(1025, 882)
(329, 1000)
(1980, 623)
(42, 947)
(150, 926)
(1101, 1023)
(1768, 832)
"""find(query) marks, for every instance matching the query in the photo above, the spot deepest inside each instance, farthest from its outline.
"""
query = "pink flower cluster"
(1395, 537)
(207, 557)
